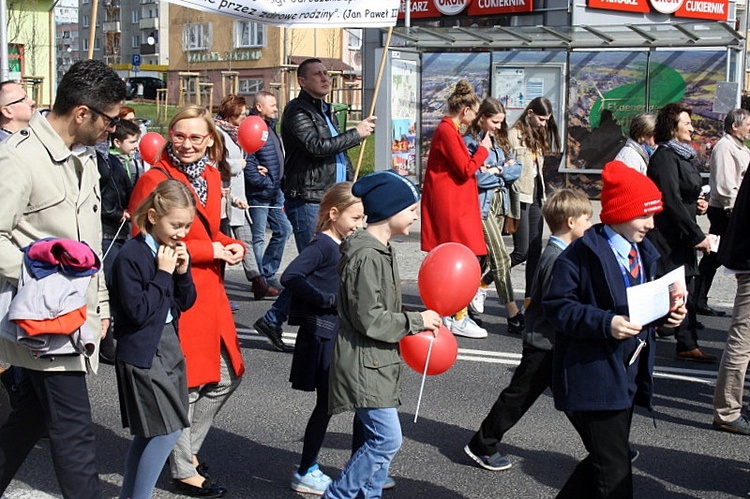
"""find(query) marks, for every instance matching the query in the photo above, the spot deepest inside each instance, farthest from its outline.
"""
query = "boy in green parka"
(366, 366)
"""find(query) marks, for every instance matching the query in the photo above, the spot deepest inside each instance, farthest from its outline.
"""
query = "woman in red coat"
(207, 332)
(450, 198)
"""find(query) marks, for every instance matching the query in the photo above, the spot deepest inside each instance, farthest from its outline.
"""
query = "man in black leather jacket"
(315, 149)
(315, 159)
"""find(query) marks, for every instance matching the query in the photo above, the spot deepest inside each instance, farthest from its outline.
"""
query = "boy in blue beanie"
(366, 366)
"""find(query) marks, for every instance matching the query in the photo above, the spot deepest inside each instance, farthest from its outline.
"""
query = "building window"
(84, 2)
(135, 16)
(249, 34)
(135, 42)
(355, 39)
(250, 86)
(85, 44)
(196, 36)
(97, 43)
(86, 22)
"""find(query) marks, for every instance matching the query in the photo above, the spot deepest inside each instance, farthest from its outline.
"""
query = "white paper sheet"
(653, 300)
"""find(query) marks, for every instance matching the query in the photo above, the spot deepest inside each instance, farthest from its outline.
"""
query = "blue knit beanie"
(384, 194)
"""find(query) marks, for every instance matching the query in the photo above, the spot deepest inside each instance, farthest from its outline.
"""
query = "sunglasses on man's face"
(112, 122)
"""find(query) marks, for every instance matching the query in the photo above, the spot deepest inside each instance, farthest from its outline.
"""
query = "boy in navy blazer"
(603, 363)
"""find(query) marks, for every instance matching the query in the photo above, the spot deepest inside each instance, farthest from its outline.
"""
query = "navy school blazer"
(140, 298)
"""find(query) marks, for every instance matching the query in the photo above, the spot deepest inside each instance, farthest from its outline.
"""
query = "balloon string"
(114, 238)
(424, 377)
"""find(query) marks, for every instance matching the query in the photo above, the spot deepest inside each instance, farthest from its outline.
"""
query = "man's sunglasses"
(113, 122)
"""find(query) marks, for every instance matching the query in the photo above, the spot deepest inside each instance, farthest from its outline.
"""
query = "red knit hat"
(627, 194)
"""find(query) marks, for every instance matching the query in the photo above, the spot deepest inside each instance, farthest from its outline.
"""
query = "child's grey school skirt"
(154, 401)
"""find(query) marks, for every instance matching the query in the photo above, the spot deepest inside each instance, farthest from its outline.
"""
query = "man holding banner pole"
(315, 160)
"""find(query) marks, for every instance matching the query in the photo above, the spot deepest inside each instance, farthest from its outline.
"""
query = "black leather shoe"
(708, 311)
(202, 470)
(208, 489)
(273, 335)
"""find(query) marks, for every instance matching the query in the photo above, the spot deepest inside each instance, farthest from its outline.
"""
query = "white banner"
(304, 13)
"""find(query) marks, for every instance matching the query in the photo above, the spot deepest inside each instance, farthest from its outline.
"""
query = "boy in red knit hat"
(603, 363)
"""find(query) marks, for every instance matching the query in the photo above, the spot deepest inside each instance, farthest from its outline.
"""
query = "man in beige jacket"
(50, 188)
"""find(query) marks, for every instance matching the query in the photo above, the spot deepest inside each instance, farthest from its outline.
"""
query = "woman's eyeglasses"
(179, 138)
(111, 122)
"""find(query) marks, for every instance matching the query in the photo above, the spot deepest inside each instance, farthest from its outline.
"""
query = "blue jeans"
(277, 315)
(304, 219)
(271, 215)
(366, 472)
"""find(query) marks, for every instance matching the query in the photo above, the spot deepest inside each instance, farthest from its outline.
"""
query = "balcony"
(147, 49)
(149, 23)
(112, 27)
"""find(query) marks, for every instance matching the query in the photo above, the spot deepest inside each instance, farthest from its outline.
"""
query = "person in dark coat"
(677, 235)
(264, 193)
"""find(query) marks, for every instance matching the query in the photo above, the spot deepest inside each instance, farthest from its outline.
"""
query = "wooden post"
(92, 26)
(374, 98)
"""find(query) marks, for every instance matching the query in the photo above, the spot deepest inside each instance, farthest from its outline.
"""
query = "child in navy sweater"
(152, 278)
(314, 284)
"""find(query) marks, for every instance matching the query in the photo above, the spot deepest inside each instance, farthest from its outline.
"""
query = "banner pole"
(374, 98)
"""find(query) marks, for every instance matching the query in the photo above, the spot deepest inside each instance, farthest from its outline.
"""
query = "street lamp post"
(4, 58)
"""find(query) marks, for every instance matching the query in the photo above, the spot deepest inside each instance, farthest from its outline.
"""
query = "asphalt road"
(256, 441)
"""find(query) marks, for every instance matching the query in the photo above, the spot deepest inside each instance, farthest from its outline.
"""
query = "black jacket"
(310, 163)
(734, 247)
(677, 231)
(591, 370)
(115, 188)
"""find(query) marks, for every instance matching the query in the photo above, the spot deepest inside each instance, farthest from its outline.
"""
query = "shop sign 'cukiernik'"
(717, 10)
(304, 13)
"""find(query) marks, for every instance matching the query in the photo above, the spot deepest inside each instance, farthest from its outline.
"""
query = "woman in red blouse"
(450, 203)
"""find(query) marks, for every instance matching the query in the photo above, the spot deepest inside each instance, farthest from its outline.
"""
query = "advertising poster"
(607, 89)
(404, 115)
(510, 87)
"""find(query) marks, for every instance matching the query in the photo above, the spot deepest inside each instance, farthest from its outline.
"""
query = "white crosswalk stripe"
(701, 376)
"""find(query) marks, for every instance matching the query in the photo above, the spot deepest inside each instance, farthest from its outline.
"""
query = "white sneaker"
(465, 327)
(477, 303)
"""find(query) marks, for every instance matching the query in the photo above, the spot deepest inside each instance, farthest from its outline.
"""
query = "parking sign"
(136, 59)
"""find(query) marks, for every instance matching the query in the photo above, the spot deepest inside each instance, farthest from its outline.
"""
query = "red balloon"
(449, 278)
(252, 134)
(151, 146)
(414, 349)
